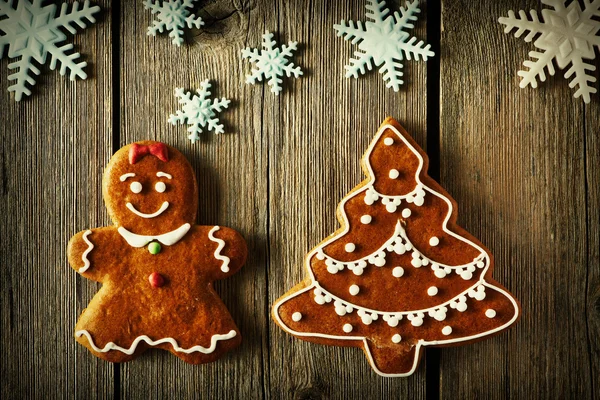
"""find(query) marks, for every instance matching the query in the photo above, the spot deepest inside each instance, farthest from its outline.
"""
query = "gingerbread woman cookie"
(399, 274)
(156, 266)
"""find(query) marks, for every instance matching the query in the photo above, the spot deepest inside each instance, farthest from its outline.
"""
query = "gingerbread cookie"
(156, 266)
(399, 274)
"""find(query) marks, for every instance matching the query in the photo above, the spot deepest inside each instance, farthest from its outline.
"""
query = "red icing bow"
(138, 151)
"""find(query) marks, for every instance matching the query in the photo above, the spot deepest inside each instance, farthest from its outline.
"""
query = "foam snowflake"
(271, 62)
(32, 31)
(174, 15)
(567, 34)
(198, 111)
(384, 41)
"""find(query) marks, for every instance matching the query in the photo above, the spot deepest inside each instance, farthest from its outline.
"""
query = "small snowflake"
(271, 62)
(32, 31)
(173, 15)
(198, 111)
(567, 34)
(384, 41)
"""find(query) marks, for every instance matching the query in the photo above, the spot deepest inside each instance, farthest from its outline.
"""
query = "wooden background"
(522, 164)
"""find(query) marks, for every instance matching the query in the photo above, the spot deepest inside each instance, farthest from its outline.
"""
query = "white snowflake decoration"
(174, 15)
(32, 31)
(567, 34)
(198, 111)
(384, 41)
(271, 62)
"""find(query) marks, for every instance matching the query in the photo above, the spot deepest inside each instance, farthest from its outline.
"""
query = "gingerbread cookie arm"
(85, 248)
(219, 251)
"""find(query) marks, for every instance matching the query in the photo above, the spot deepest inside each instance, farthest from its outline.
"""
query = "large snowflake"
(174, 15)
(567, 34)
(271, 62)
(198, 111)
(384, 41)
(32, 31)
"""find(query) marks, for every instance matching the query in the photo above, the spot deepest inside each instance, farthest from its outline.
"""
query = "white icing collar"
(168, 239)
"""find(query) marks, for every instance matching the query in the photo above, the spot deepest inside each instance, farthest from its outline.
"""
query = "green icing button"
(154, 248)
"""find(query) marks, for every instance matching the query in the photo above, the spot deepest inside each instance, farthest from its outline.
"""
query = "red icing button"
(156, 280)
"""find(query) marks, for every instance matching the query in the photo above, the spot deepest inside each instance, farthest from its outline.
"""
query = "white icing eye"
(160, 187)
(135, 187)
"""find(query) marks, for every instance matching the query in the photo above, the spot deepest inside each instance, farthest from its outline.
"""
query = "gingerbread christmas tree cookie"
(155, 265)
(399, 274)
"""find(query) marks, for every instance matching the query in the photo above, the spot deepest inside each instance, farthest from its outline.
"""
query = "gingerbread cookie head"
(149, 187)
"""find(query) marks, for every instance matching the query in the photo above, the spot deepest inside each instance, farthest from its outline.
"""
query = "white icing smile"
(162, 209)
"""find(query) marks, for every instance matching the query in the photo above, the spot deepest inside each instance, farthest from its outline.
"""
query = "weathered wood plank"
(54, 145)
(317, 132)
(232, 174)
(514, 160)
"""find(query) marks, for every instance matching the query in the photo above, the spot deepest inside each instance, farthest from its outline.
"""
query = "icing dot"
(354, 289)
(347, 328)
(434, 241)
(406, 213)
(394, 174)
(154, 248)
(490, 313)
(447, 330)
(432, 291)
(296, 316)
(156, 280)
(350, 247)
(396, 338)
(366, 219)
(398, 272)
(160, 187)
(135, 187)
(388, 141)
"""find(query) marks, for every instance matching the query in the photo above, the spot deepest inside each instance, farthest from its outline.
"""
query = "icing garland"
(218, 255)
(343, 307)
(416, 197)
(112, 346)
(400, 244)
(86, 262)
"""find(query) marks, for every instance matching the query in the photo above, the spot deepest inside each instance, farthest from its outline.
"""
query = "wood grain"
(521, 163)
(53, 147)
(515, 160)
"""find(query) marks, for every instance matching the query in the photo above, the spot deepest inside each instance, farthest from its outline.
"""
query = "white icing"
(218, 255)
(482, 262)
(434, 241)
(447, 330)
(396, 338)
(366, 219)
(490, 313)
(296, 316)
(160, 187)
(397, 272)
(161, 174)
(162, 209)
(406, 213)
(86, 262)
(124, 177)
(350, 247)
(347, 328)
(354, 289)
(111, 346)
(432, 291)
(168, 239)
(400, 244)
(135, 187)
(394, 174)
(388, 141)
